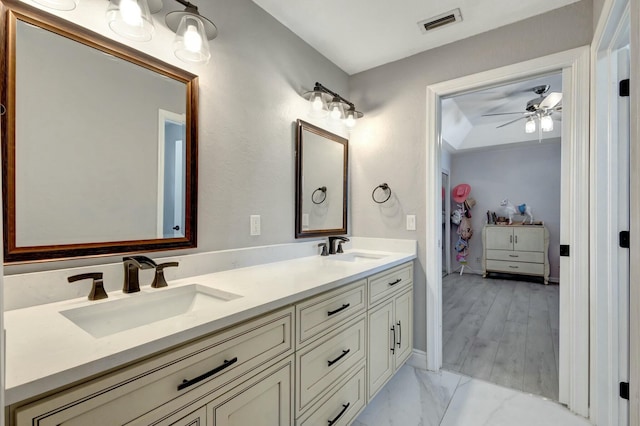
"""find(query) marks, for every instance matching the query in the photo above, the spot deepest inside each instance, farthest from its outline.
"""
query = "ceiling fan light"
(546, 123)
(530, 126)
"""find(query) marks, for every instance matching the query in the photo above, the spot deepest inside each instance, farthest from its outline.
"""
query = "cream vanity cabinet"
(249, 365)
(390, 321)
(516, 250)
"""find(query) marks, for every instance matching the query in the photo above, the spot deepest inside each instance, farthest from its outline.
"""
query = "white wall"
(389, 143)
(528, 174)
(250, 97)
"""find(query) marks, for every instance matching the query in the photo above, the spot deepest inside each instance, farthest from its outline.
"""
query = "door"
(403, 306)
(380, 362)
(499, 238)
(528, 239)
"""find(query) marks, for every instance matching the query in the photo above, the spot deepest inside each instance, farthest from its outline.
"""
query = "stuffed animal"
(522, 209)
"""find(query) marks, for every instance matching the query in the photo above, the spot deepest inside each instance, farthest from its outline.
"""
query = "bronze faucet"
(132, 266)
(332, 246)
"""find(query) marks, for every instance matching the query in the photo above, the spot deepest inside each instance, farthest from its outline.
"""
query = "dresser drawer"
(326, 360)
(515, 267)
(387, 283)
(322, 313)
(341, 405)
(198, 368)
(516, 256)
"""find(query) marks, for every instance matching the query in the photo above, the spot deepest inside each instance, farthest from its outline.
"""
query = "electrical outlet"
(411, 222)
(255, 224)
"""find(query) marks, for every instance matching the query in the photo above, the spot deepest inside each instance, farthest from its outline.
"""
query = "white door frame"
(163, 117)
(609, 264)
(574, 270)
(634, 330)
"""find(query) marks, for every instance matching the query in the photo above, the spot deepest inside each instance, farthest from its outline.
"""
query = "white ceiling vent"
(447, 18)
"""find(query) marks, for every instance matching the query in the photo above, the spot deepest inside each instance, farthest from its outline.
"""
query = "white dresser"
(516, 249)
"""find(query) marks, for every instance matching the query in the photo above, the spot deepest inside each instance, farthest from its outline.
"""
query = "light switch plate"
(411, 222)
(255, 224)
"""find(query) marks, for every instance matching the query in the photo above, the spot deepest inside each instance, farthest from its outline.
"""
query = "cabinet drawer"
(341, 405)
(135, 390)
(326, 360)
(322, 313)
(515, 267)
(516, 256)
(387, 283)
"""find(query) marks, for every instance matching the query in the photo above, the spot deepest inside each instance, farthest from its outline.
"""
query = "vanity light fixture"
(131, 19)
(324, 101)
(193, 32)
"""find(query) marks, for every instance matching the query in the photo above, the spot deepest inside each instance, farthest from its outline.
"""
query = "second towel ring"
(323, 189)
(385, 188)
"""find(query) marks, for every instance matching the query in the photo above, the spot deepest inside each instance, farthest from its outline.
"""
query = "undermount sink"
(356, 257)
(111, 317)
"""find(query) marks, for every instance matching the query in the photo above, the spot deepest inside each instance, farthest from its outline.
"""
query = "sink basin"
(111, 317)
(356, 257)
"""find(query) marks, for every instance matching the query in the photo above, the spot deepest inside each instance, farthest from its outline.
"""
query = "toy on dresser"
(523, 209)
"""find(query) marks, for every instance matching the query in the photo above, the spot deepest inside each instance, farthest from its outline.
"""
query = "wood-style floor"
(502, 331)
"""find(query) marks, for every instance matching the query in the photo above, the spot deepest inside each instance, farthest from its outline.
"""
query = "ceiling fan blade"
(551, 100)
(501, 113)
(512, 121)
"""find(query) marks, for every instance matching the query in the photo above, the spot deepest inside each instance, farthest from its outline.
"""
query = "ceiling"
(358, 35)
(465, 128)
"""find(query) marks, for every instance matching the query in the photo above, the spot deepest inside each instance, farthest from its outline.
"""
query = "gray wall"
(528, 174)
(389, 143)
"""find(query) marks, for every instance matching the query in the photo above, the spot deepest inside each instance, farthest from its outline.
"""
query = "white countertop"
(45, 350)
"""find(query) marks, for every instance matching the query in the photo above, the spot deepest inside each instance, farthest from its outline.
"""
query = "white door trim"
(634, 331)
(164, 116)
(574, 295)
(609, 298)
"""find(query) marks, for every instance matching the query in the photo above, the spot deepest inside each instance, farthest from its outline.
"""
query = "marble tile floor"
(415, 397)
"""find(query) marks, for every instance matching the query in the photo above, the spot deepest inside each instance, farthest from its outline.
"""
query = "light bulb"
(530, 126)
(317, 103)
(192, 40)
(131, 13)
(350, 121)
(335, 113)
(546, 123)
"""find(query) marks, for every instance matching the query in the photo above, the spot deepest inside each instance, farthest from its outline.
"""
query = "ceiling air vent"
(440, 21)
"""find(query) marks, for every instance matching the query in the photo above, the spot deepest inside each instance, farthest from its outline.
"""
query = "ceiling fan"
(540, 107)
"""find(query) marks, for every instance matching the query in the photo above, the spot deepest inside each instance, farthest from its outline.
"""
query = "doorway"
(574, 338)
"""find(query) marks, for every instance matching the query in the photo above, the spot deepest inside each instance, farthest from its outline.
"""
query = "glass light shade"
(317, 105)
(191, 43)
(130, 19)
(546, 123)
(59, 4)
(350, 121)
(530, 126)
(336, 109)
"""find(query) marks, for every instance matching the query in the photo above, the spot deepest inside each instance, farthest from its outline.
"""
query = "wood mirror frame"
(300, 232)
(12, 11)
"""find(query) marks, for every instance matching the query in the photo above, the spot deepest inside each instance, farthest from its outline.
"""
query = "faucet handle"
(324, 249)
(159, 280)
(97, 288)
(340, 247)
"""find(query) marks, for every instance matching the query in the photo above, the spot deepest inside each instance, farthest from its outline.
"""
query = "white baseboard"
(418, 359)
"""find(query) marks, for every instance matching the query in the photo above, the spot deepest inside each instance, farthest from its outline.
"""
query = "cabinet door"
(528, 239)
(192, 418)
(263, 402)
(381, 347)
(403, 306)
(499, 238)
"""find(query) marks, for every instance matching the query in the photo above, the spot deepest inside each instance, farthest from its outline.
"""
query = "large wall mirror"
(321, 182)
(99, 143)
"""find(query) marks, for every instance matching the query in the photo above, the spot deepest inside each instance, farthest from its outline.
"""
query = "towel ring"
(323, 189)
(385, 188)
(3, 109)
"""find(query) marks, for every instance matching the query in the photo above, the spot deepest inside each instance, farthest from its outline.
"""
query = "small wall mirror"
(99, 144)
(321, 182)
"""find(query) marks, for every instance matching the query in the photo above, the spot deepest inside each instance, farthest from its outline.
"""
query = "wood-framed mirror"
(99, 149)
(322, 160)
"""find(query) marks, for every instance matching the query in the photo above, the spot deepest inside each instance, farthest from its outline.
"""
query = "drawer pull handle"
(514, 255)
(344, 408)
(400, 334)
(342, 308)
(339, 358)
(395, 282)
(186, 383)
(393, 345)
(513, 267)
